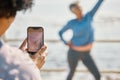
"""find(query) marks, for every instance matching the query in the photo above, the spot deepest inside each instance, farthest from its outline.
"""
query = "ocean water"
(53, 14)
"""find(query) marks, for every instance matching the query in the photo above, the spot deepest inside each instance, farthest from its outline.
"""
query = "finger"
(40, 61)
(25, 50)
(45, 54)
(40, 66)
(40, 58)
(22, 47)
(42, 50)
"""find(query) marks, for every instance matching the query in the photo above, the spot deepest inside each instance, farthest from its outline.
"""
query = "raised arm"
(95, 8)
(65, 28)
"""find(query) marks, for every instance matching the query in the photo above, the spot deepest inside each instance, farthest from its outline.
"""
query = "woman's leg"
(89, 63)
(72, 61)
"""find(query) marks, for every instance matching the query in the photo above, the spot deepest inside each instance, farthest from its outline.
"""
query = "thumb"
(22, 47)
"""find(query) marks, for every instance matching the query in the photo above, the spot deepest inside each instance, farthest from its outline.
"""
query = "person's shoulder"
(14, 54)
(72, 20)
(11, 55)
(88, 15)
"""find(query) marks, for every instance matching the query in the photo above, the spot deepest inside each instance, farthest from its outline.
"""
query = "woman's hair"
(73, 5)
(9, 8)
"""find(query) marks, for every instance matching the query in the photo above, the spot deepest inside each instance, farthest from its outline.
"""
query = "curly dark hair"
(9, 8)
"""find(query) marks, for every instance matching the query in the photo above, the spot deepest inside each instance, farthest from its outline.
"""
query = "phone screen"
(35, 38)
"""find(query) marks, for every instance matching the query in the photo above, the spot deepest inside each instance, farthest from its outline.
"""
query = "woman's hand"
(69, 44)
(39, 57)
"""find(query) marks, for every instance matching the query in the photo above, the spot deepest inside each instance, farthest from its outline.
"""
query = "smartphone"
(35, 39)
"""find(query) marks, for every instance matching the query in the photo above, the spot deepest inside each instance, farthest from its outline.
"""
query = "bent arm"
(65, 28)
(95, 8)
(61, 37)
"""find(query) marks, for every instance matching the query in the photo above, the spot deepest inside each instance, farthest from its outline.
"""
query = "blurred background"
(53, 15)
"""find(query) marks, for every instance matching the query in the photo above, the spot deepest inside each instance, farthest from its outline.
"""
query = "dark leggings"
(75, 56)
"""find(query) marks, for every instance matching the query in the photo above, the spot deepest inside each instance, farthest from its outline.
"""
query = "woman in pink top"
(16, 64)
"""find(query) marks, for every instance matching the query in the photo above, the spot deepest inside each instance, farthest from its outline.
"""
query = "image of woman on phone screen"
(16, 64)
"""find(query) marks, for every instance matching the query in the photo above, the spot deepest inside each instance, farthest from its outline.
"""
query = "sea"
(53, 15)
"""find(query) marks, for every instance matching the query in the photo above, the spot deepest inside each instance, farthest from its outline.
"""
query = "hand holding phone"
(40, 57)
(35, 35)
